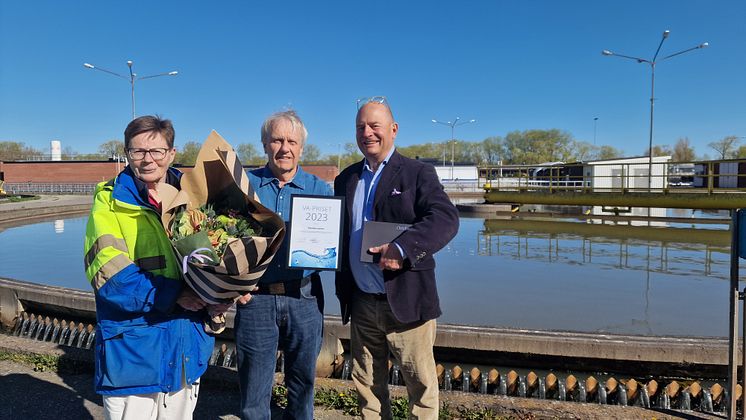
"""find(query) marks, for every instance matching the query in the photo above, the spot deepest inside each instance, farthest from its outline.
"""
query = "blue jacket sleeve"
(136, 291)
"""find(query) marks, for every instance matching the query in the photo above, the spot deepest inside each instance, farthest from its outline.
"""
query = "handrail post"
(733, 317)
(710, 177)
(742, 296)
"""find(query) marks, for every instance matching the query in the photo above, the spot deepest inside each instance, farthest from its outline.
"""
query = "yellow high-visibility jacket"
(144, 342)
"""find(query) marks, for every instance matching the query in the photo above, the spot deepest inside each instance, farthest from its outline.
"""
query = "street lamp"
(453, 125)
(595, 121)
(131, 79)
(652, 87)
(339, 155)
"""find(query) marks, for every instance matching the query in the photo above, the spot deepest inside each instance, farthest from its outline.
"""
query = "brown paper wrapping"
(218, 177)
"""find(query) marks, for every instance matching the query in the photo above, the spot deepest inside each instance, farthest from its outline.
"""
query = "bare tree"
(726, 147)
(111, 148)
(683, 151)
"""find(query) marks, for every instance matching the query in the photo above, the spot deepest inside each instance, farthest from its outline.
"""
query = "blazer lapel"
(389, 174)
(350, 187)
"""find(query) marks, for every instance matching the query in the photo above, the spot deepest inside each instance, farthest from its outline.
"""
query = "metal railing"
(49, 188)
(462, 186)
(706, 176)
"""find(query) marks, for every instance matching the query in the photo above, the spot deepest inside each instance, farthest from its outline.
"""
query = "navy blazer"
(419, 200)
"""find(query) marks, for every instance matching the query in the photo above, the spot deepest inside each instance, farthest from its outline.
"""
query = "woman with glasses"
(150, 348)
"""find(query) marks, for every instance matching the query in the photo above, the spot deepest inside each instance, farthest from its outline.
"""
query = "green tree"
(741, 152)
(683, 151)
(351, 155)
(493, 150)
(660, 150)
(248, 154)
(423, 151)
(471, 152)
(12, 150)
(111, 148)
(311, 154)
(187, 154)
(537, 146)
(609, 152)
(726, 147)
(583, 151)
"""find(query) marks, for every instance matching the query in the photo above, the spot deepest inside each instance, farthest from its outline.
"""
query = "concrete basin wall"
(457, 342)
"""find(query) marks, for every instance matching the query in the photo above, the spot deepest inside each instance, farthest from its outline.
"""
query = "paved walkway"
(47, 206)
(47, 201)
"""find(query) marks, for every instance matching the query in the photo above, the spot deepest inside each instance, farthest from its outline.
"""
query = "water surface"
(519, 274)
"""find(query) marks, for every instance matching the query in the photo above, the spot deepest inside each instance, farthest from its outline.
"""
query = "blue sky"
(511, 65)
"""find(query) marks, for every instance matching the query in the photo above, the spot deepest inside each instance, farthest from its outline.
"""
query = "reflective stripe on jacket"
(144, 342)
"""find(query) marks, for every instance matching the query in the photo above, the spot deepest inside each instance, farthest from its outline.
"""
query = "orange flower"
(196, 218)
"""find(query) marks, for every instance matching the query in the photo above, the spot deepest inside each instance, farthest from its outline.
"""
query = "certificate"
(315, 232)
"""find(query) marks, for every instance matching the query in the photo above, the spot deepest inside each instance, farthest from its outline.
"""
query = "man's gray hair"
(289, 115)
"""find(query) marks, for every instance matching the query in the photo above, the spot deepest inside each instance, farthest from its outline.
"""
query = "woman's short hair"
(148, 124)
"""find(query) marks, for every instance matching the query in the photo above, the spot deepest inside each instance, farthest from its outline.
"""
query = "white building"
(458, 177)
(630, 174)
(627, 173)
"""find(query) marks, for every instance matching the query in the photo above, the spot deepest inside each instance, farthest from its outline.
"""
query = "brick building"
(83, 172)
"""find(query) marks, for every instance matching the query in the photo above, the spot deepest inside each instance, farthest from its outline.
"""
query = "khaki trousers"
(177, 405)
(374, 332)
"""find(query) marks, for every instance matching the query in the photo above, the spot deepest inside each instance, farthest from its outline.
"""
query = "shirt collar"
(366, 166)
(267, 177)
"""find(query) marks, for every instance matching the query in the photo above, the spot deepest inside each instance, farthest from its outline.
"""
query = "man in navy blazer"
(392, 304)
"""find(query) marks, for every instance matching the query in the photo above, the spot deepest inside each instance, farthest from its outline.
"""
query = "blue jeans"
(294, 323)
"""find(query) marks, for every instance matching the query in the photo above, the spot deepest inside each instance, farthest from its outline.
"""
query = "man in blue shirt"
(286, 310)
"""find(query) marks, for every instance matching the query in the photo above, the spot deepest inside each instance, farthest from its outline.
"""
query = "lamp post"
(595, 121)
(652, 64)
(339, 155)
(453, 125)
(131, 79)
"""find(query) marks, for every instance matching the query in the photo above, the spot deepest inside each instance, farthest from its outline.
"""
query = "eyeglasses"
(373, 99)
(139, 154)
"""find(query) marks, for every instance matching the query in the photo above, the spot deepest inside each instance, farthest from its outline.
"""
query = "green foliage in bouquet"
(205, 228)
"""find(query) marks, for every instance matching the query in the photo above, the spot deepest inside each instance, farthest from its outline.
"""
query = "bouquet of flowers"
(224, 237)
(208, 233)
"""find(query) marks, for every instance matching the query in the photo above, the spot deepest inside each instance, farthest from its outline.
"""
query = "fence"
(48, 188)
(462, 186)
(709, 176)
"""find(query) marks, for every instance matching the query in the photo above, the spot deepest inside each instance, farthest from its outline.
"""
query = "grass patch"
(468, 413)
(346, 402)
(39, 362)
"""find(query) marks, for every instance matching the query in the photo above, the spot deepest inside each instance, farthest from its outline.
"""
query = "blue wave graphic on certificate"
(303, 258)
